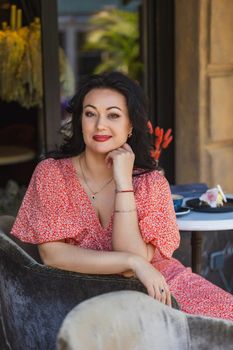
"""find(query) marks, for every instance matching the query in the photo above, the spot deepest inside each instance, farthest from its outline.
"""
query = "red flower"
(150, 127)
(155, 154)
(167, 139)
(162, 140)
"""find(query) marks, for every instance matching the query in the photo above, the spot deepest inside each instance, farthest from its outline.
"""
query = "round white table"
(198, 222)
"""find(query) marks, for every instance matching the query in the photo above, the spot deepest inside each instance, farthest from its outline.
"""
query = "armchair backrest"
(34, 298)
(6, 223)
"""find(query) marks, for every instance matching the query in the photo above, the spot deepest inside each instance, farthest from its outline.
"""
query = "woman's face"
(105, 120)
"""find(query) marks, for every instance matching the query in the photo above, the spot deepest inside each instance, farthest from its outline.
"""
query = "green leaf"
(115, 34)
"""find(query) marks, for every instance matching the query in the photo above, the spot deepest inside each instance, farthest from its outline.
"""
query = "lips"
(101, 138)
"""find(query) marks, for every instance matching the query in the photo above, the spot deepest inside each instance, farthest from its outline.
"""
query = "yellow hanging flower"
(21, 67)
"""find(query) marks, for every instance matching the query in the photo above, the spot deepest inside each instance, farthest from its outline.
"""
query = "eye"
(113, 115)
(89, 114)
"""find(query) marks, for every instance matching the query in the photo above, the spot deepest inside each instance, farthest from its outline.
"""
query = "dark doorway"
(158, 55)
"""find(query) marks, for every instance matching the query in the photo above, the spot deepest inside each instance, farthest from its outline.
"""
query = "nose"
(100, 123)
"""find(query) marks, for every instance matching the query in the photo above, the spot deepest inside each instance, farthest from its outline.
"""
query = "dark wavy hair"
(140, 140)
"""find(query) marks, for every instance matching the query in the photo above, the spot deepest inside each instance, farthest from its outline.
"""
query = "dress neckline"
(88, 201)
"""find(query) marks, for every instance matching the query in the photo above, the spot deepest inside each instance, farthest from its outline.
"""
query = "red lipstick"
(101, 138)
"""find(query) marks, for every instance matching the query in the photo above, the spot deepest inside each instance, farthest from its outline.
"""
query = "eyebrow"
(107, 108)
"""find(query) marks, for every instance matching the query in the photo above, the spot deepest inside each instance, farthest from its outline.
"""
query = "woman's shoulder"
(148, 175)
(49, 164)
(150, 181)
(51, 169)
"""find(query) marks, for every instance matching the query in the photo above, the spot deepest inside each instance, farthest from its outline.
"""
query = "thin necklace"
(93, 193)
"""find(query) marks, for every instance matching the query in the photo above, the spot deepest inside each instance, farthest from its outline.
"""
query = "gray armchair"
(129, 320)
(34, 298)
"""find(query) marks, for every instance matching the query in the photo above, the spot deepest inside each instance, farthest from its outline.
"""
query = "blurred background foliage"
(115, 34)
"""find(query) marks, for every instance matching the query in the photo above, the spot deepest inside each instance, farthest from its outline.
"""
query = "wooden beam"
(148, 52)
(51, 116)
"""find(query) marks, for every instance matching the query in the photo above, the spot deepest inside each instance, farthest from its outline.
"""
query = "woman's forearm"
(126, 233)
(73, 258)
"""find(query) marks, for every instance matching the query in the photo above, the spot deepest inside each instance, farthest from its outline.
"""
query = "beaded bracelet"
(124, 211)
(123, 191)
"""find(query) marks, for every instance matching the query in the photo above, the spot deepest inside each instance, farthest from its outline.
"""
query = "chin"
(99, 150)
(104, 148)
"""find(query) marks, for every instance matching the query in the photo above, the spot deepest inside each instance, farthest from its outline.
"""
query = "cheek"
(123, 135)
(126, 129)
(85, 132)
(82, 124)
(123, 131)
(85, 126)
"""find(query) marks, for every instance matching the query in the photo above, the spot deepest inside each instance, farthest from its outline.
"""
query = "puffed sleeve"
(44, 213)
(157, 220)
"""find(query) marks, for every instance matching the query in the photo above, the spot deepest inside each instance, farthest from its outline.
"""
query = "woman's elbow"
(47, 255)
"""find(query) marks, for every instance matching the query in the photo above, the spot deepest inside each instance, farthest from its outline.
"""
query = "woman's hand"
(152, 279)
(122, 160)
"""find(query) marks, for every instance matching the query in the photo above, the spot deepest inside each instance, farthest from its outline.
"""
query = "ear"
(130, 132)
(130, 128)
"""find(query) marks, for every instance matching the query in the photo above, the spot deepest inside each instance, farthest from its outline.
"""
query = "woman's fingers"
(153, 280)
(151, 291)
(158, 294)
(123, 149)
(127, 147)
(122, 157)
(113, 154)
(165, 294)
(169, 299)
(108, 161)
(161, 294)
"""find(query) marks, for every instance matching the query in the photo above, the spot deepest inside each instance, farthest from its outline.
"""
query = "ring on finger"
(161, 290)
(154, 292)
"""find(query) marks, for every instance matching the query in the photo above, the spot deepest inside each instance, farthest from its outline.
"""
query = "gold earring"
(130, 134)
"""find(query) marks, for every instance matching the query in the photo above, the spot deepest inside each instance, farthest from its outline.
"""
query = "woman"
(100, 206)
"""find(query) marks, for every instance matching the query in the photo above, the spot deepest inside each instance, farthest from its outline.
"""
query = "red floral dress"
(57, 207)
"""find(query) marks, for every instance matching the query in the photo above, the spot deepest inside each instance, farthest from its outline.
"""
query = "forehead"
(105, 98)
